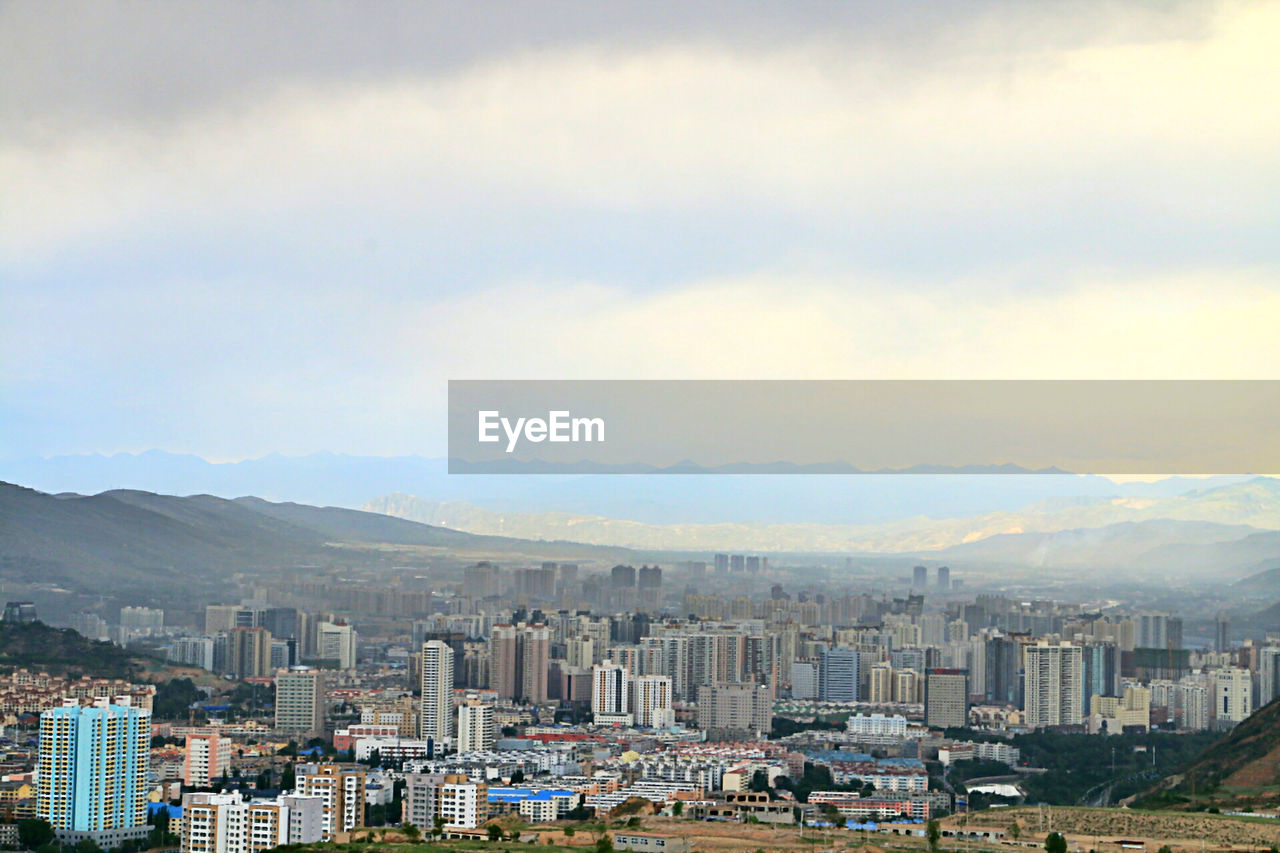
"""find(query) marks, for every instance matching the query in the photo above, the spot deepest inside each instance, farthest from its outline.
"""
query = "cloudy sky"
(235, 228)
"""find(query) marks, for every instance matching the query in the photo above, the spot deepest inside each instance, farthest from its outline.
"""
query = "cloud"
(216, 240)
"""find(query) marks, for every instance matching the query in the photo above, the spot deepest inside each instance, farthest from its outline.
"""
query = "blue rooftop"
(517, 795)
(175, 812)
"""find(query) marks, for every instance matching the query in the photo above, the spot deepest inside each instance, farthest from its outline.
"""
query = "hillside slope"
(1242, 770)
(141, 540)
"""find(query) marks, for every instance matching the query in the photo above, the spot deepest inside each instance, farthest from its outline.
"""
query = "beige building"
(300, 701)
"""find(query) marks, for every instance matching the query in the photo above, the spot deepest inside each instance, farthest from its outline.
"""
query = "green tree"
(87, 845)
(604, 844)
(33, 833)
(677, 808)
(1014, 830)
(412, 832)
(934, 833)
(494, 831)
(1165, 849)
(1055, 843)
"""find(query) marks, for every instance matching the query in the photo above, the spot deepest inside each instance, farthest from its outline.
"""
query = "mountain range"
(122, 538)
(1233, 527)
(328, 479)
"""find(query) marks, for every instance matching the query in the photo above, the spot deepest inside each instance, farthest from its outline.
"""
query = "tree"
(677, 808)
(604, 844)
(412, 832)
(33, 833)
(515, 835)
(1166, 849)
(87, 845)
(495, 832)
(1055, 843)
(517, 777)
(933, 833)
(1014, 830)
(288, 778)
(569, 832)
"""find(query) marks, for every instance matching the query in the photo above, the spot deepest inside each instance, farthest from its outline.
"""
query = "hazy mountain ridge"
(329, 479)
(109, 541)
(1234, 511)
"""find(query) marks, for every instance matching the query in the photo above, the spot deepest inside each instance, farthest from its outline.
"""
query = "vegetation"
(61, 651)
(783, 726)
(174, 697)
(1083, 768)
(1241, 763)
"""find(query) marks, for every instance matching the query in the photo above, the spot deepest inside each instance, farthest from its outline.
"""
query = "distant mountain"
(328, 479)
(122, 539)
(1161, 548)
(1231, 511)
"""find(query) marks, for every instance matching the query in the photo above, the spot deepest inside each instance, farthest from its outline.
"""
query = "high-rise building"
(248, 652)
(946, 698)
(94, 762)
(476, 728)
(734, 711)
(1100, 674)
(1233, 695)
(207, 759)
(651, 702)
(1268, 675)
(944, 578)
(282, 622)
(881, 683)
(838, 675)
(920, 577)
(341, 793)
(337, 642)
(19, 611)
(649, 588)
(1002, 663)
(435, 714)
(1054, 685)
(610, 693)
(1221, 633)
(483, 580)
(300, 701)
(519, 656)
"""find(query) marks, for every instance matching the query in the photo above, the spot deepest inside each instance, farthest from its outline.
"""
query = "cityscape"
(573, 426)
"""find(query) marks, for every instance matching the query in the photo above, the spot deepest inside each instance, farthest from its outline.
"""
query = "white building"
(436, 712)
(227, 823)
(652, 705)
(462, 802)
(610, 694)
(476, 729)
(1232, 694)
(877, 725)
(337, 641)
(1054, 679)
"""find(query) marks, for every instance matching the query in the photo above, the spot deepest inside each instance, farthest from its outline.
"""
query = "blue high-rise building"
(94, 762)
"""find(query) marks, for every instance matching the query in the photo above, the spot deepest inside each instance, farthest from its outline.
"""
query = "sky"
(237, 229)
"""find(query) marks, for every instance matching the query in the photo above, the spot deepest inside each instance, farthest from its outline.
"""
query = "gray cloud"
(110, 61)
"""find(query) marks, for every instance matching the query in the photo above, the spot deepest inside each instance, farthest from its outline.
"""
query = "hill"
(141, 540)
(61, 651)
(1239, 771)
